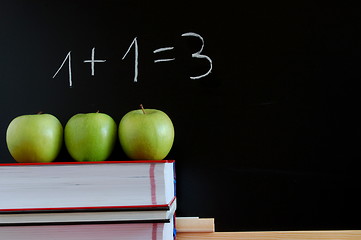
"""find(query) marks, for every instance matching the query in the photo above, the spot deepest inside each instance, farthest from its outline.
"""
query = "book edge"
(91, 209)
(168, 214)
(84, 223)
(81, 163)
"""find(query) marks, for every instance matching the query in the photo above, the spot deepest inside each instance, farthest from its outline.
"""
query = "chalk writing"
(68, 57)
(198, 54)
(162, 50)
(92, 61)
(134, 44)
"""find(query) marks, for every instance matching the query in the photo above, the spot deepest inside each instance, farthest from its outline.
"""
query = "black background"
(270, 140)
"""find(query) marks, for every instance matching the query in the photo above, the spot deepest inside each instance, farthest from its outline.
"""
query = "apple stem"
(97, 111)
(141, 106)
(41, 112)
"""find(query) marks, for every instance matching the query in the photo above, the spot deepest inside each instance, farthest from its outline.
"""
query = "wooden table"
(273, 235)
(203, 228)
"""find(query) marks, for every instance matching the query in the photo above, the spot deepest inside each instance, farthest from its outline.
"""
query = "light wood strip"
(273, 235)
(195, 224)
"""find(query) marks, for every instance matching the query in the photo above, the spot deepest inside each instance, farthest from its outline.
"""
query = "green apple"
(34, 138)
(90, 136)
(146, 134)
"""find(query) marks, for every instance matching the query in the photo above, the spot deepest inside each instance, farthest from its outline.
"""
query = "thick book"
(88, 215)
(111, 231)
(87, 191)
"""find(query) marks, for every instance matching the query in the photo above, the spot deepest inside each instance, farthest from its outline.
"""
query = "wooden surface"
(194, 228)
(195, 224)
(274, 235)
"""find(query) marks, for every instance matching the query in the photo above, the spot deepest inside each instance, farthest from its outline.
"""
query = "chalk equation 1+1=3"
(134, 45)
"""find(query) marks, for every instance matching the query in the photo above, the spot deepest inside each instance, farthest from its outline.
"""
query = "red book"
(122, 191)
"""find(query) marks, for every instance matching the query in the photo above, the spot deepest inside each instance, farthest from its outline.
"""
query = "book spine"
(153, 186)
(175, 195)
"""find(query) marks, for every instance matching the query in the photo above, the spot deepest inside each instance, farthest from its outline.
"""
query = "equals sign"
(163, 50)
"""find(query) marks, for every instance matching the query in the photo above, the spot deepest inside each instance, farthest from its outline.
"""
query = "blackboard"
(264, 96)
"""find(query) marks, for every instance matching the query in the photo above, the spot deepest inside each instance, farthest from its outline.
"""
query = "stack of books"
(88, 200)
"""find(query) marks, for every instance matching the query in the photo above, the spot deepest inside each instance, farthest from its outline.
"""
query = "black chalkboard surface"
(264, 96)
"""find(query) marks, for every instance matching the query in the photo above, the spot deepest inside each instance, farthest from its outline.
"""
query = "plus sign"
(93, 61)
